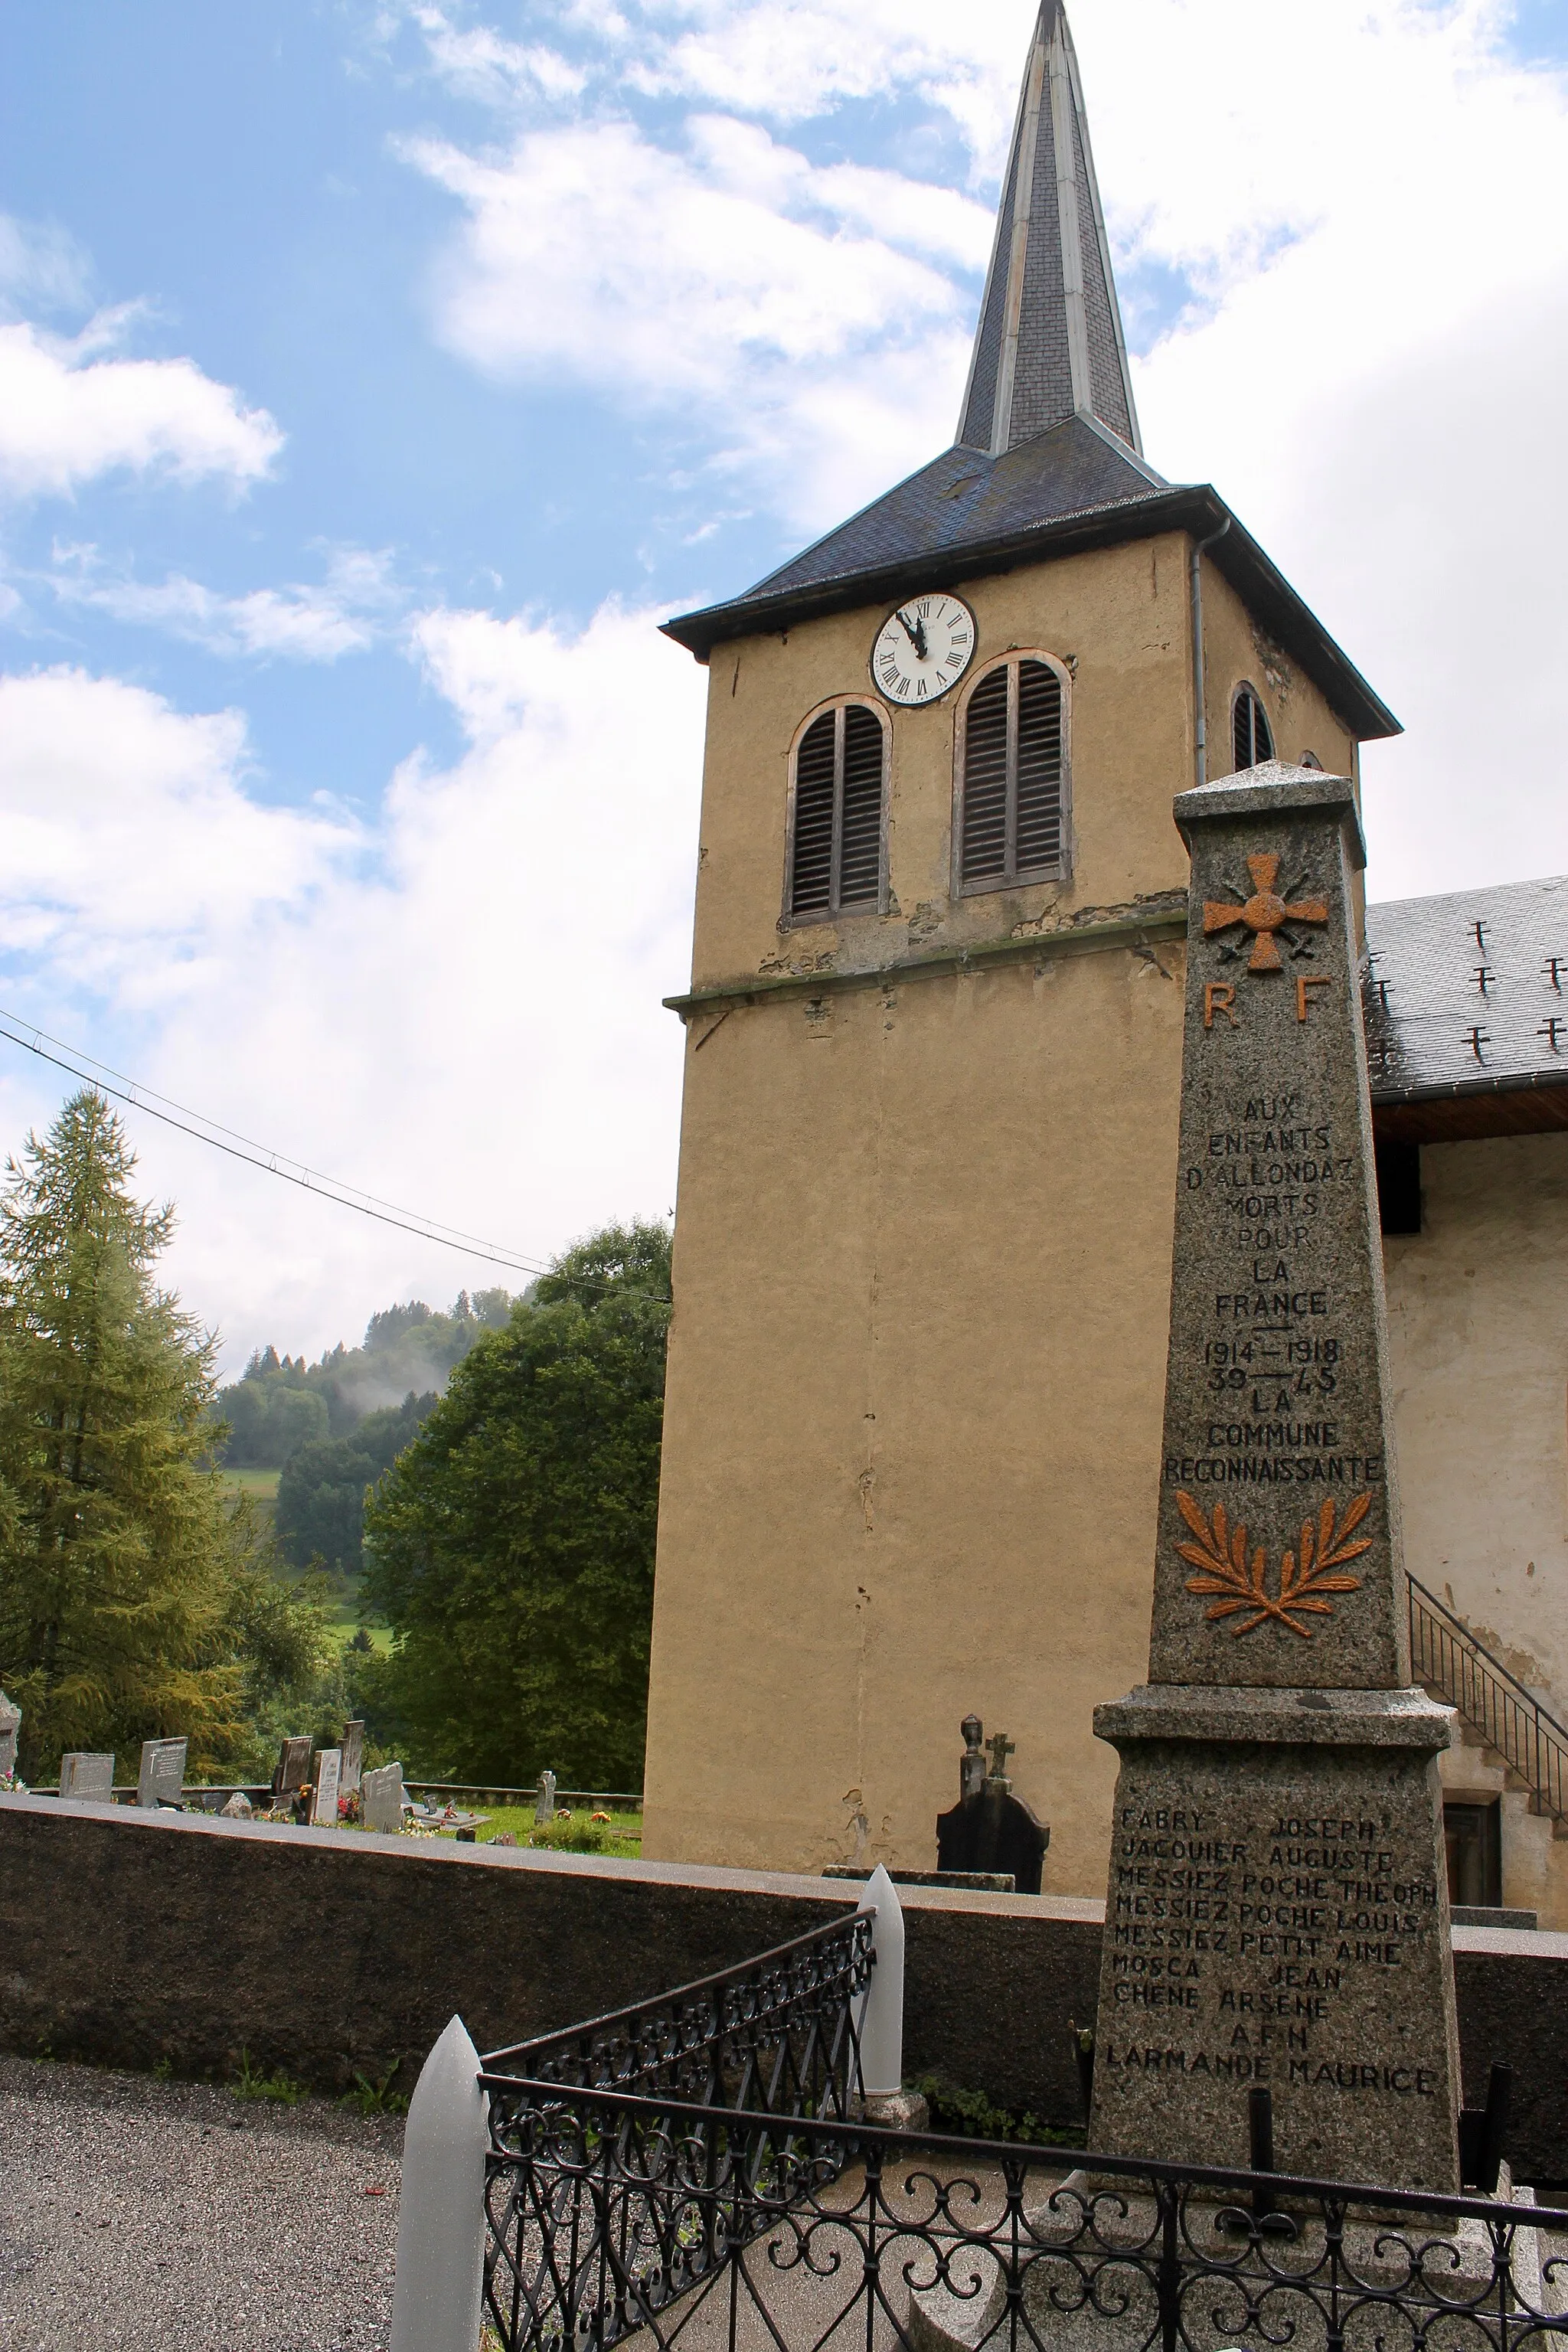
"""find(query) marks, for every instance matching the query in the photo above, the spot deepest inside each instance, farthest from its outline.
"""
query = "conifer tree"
(119, 1553)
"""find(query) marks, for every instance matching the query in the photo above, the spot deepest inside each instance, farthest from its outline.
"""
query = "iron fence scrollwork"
(711, 2229)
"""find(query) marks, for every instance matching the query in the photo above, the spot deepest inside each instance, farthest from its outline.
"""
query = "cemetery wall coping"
(135, 1937)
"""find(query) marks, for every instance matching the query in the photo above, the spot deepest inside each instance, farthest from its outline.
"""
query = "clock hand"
(916, 633)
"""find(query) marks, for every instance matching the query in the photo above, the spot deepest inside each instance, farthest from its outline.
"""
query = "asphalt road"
(138, 2216)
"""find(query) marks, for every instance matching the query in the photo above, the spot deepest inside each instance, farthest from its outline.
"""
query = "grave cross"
(1001, 1747)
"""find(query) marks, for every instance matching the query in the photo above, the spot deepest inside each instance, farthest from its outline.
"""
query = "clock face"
(923, 649)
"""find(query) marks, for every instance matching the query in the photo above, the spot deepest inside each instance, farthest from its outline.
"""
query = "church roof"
(1465, 1003)
(1046, 462)
(1049, 343)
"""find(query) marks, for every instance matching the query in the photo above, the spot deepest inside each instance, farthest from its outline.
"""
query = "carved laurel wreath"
(1305, 1575)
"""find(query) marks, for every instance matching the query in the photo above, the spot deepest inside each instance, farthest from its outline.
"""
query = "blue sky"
(373, 376)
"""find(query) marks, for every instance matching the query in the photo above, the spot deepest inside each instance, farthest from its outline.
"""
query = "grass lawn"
(261, 1486)
(623, 1837)
(344, 1625)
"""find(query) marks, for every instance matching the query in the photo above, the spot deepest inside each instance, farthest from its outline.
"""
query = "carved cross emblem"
(1265, 914)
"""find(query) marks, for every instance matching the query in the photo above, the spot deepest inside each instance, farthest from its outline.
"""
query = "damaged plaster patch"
(1051, 920)
(795, 967)
(1273, 663)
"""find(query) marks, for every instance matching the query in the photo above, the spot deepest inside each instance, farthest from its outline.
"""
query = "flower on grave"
(563, 1813)
(12, 1785)
(601, 1817)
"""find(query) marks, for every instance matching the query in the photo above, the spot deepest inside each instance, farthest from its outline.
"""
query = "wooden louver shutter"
(837, 861)
(861, 843)
(810, 887)
(1252, 740)
(1012, 776)
(985, 779)
(1038, 826)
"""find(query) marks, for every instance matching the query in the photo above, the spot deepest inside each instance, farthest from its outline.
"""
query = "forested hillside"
(281, 1401)
(505, 1548)
(332, 1428)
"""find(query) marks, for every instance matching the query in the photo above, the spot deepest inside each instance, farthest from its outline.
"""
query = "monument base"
(1278, 1913)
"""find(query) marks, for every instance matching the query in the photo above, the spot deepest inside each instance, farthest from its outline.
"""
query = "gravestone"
(353, 1758)
(991, 1830)
(1277, 1911)
(162, 1775)
(381, 1797)
(324, 1789)
(10, 1733)
(87, 1779)
(238, 1808)
(293, 1766)
(544, 1803)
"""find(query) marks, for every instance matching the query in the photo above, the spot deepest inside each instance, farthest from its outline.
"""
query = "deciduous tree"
(512, 1545)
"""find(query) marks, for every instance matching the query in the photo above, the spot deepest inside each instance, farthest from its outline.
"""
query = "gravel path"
(138, 2216)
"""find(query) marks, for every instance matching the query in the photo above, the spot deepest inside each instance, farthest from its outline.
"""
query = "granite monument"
(162, 1780)
(1277, 1910)
(324, 1788)
(381, 1797)
(87, 1779)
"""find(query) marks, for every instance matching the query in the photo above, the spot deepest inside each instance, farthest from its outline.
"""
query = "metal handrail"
(1510, 1718)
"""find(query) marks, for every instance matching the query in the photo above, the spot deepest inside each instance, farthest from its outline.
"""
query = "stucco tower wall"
(922, 1263)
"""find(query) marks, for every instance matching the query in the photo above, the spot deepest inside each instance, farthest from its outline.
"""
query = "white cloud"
(477, 62)
(345, 614)
(41, 268)
(1384, 251)
(730, 275)
(68, 415)
(133, 846)
(460, 1012)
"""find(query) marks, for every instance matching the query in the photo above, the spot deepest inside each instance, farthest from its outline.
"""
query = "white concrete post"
(882, 2012)
(441, 2208)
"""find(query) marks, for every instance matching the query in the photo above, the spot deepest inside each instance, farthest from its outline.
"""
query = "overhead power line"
(190, 1122)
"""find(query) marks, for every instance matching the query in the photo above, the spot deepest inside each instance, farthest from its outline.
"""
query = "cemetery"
(1273, 1990)
(1298, 2076)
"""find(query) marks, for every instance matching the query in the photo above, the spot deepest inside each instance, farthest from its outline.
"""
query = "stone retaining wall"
(128, 1938)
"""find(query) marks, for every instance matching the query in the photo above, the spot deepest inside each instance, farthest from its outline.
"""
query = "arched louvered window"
(1251, 740)
(1012, 799)
(836, 837)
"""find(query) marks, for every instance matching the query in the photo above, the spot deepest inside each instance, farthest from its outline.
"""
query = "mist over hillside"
(332, 1428)
(282, 1402)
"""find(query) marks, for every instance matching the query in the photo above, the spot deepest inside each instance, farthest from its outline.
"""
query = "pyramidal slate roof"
(1046, 460)
(1049, 345)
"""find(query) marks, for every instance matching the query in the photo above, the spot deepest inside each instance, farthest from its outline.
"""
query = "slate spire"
(1050, 343)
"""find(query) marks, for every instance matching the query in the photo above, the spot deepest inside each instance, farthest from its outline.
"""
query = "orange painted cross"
(1264, 914)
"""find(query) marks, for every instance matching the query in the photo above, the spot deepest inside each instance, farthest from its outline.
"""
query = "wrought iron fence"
(612, 2214)
(777, 2035)
(1446, 1656)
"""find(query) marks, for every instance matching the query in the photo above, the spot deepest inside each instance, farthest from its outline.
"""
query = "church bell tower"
(933, 1043)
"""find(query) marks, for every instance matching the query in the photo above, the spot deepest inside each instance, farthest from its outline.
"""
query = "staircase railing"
(1446, 1656)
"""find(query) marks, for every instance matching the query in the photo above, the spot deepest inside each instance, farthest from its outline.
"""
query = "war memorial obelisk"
(1278, 1907)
